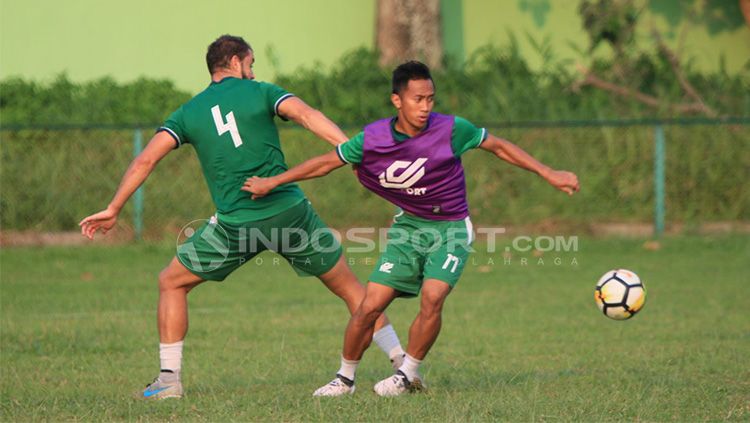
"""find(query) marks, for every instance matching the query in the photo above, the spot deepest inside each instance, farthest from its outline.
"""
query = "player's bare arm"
(515, 155)
(142, 166)
(313, 120)
(314, 168)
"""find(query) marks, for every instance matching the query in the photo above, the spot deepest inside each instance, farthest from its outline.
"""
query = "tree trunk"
(745, 6)
(409, 30)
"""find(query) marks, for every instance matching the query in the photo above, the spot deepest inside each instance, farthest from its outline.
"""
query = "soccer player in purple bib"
(413, 161)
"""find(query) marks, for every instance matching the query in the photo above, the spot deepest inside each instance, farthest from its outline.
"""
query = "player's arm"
(515, 155)
(159, 146)
(314, 168)
(312, 119)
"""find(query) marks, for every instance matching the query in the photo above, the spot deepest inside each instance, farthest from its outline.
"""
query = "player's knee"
(367, 313)
(351, 291)
(169, 280)
(432, 304)
(165, 280)
(431, 310)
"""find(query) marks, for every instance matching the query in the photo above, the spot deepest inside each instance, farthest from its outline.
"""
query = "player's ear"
(396, 100)
(235, 62)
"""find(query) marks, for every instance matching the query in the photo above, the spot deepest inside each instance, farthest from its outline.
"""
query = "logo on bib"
(411, 174)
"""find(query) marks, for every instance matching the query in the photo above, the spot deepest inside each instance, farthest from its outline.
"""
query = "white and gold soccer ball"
(620, 294)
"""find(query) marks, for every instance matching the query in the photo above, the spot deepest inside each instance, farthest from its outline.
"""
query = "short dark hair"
(408, 71)
(221, 51)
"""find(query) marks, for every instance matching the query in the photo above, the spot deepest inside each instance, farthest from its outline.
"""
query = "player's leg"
(426, 326)
(212, 253)
(422, 335)
(175, 281)
(341, 281)
(357, 338)
(313, 250)
(361, 326)
(446, 258)
(442, 271)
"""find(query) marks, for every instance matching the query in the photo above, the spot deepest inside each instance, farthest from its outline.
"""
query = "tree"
(614, 22)
(409, 30)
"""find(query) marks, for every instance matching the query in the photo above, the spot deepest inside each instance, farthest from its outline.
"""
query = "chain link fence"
(53, 177)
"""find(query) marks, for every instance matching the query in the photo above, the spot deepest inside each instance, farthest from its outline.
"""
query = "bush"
(495, 85)
(99, 102)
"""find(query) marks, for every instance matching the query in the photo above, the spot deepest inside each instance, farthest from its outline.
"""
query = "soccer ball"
(620, 294)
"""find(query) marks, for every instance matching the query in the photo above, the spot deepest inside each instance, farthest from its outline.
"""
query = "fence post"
(659, 159)
(138, 196)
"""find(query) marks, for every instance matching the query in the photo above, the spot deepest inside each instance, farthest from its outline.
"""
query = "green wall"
(167, 38)
(721, 31)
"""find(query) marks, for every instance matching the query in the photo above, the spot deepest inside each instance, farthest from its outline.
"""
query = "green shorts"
(218, 248)
(420, 249)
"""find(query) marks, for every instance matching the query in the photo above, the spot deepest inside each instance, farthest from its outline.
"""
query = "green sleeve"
(466, 136)
(351, 151)
(274, 96)
(174, 126)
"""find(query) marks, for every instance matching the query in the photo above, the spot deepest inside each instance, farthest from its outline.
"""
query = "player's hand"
(104, 221)
(566, 182)
(258, 186)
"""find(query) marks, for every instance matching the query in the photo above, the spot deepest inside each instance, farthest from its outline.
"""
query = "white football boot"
(337, 387)
(397, 384)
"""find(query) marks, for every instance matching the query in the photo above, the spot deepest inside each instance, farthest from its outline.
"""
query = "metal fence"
(649, 171)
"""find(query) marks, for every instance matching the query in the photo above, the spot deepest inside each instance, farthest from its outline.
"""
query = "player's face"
(246, 66)
(415, 103)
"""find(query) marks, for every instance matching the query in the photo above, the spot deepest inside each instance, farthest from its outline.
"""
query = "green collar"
(222, 80)
(399, 136)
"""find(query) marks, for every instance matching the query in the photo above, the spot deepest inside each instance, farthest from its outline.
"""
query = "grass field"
(519, 342)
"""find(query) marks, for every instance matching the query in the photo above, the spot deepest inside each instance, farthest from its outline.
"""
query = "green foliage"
(354, 91)
(52, 179)
(497, 84)
(611, 21)
(98, 102)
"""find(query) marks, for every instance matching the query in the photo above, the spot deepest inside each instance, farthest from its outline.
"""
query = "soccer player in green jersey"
(231, 126)
(413, 161)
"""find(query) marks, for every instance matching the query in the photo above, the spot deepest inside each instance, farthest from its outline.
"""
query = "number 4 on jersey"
(230, 126)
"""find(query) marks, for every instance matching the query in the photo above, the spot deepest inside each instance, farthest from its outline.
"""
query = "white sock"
(387, 340)
(410, 367)
(171, 356)
(348, 368)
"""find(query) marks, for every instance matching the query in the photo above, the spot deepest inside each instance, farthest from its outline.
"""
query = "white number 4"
(230, 126)
(451, 258)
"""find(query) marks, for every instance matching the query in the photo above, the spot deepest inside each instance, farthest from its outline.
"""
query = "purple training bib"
(421, 175)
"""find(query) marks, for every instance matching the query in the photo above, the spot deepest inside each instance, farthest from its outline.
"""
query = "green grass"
(519, 342)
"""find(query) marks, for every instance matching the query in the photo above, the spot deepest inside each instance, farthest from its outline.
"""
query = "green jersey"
(231, 127)
(464, 137)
